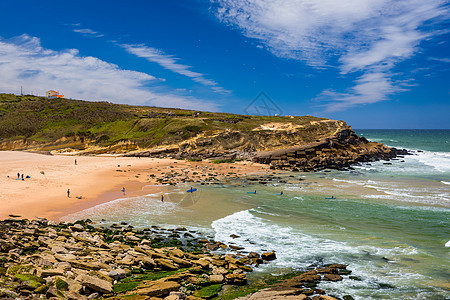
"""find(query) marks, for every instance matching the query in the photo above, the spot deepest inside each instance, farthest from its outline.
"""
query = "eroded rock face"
(338, 151)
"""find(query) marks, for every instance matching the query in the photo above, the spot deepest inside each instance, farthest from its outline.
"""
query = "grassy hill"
(38, 123)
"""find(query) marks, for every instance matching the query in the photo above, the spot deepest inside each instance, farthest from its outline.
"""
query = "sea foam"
(297, 250)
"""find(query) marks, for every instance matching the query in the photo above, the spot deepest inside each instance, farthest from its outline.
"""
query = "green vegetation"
(209, 291)
(130, 283)
(64, 123)
(61, 284)
(20, 269)
(125, 286)
(32, 280)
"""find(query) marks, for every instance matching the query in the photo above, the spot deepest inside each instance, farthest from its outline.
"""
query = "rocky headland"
(41, 259)
(339, 151)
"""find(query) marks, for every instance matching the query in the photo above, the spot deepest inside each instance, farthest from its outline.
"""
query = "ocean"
(389, 221)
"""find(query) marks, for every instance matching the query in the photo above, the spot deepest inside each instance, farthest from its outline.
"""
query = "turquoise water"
(430, 140)
(389, 222)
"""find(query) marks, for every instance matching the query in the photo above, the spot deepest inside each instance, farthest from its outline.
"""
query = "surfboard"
(191, 190)
(251, 192)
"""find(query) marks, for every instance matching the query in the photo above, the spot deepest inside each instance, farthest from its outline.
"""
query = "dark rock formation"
(336, 152)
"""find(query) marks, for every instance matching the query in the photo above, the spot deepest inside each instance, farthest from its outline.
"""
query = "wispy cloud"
(369, 88)
(366, 38)
(171, 63)
(89, 32)
(23, 61)
(440, 59)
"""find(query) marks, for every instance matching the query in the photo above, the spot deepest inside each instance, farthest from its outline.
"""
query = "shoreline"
(97, 179)
(85, 260)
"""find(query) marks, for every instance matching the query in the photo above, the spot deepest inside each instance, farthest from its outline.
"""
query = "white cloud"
(89, 32)
(369, 88)
(364, 36)
(23, 61)
(170, 62)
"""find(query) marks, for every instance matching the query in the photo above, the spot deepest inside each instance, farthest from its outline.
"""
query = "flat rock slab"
(158, 288)
(95, 283)
(269, 294)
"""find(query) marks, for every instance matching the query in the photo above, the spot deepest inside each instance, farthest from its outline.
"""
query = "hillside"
(61, 125)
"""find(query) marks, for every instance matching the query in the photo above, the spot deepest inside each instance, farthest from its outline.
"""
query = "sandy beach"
(95, 179)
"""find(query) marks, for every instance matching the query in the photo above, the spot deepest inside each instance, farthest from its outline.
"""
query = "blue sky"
(372, 63)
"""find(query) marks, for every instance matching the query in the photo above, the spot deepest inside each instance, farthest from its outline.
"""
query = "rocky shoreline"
(41, 259)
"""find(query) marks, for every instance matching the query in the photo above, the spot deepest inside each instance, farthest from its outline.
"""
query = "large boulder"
(216, 278)
(238, 279)
(332, 277)
(202, 262)
(176, 252)
(165, 264)
(268, 256)
(148, 262)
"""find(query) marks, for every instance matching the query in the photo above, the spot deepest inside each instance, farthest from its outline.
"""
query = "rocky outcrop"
(336, 152)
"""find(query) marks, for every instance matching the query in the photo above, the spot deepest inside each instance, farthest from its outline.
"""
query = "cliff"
(58, 125)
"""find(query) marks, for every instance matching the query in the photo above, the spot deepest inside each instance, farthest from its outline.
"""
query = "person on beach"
(22, 176)
(75, 162)
(68, 193)
(123, 190)
(18, 175)
(162, 198)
